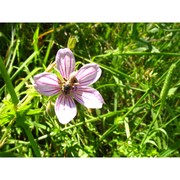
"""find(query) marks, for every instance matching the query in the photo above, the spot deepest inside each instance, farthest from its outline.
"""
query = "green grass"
(140, 84)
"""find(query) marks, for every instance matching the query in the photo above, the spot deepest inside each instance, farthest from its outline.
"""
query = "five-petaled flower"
(75, 85)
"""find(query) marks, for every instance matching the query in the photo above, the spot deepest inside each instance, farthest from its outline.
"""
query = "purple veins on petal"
(65, 62)
(65, 108)
(89, 97)
(47, 84)
(88, 74)
(75, 85)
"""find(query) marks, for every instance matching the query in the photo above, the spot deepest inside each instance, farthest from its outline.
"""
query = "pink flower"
(74, 86)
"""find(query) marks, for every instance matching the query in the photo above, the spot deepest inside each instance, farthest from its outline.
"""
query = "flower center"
(70, 84)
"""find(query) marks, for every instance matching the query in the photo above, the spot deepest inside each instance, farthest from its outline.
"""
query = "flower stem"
(8, 82)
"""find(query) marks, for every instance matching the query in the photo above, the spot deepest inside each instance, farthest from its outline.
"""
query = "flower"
(75, 85)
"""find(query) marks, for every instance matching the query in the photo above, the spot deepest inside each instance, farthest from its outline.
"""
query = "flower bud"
(50, 109)
(72, 42)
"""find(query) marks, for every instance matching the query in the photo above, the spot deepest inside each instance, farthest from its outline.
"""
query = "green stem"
(48, 49)
(22, 124)
(123, 117)
(20, 119)
(107, 115)
(151, 125)
(28, 60)
(4, 137)
(8, 82)
(136, 53)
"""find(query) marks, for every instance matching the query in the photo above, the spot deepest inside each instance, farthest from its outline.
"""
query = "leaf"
(172, 91)
(170, 150)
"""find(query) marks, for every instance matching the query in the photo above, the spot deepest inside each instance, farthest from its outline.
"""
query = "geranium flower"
(75, 85)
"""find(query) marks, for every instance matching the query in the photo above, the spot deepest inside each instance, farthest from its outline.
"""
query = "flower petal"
(65, 108)
(88, 74)
(65, 62)
(47, 84)
(89, 97)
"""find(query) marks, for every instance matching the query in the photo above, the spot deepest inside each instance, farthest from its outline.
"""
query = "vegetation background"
(140, 85)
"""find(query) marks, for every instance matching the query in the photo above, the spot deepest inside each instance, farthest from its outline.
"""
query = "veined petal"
(89, 97)
(88, 74)
(65, 62)
(47, 84)
(65, 108)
